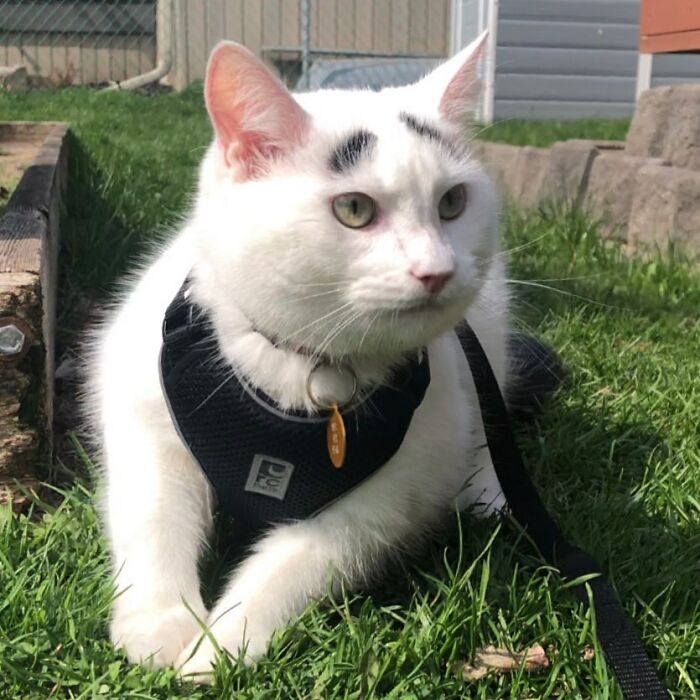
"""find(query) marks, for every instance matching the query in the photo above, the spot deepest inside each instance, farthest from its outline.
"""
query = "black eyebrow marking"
(348, 153)
(421, 127)
(427, 130)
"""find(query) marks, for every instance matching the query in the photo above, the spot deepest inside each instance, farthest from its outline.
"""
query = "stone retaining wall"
(645, 191)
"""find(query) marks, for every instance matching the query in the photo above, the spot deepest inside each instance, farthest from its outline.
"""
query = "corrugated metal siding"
(567, 59)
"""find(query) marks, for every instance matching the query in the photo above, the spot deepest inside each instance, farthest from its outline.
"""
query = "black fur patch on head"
(422, 128)
(428, 131)
(348, 153)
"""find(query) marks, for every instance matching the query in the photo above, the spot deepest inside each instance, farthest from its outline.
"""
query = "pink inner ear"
(462, 90)
(255, 118)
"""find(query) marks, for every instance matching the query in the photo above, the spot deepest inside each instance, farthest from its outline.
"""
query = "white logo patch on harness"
(269, 476)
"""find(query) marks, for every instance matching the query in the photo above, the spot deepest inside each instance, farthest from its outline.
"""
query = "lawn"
(616, 456)
(524, 133)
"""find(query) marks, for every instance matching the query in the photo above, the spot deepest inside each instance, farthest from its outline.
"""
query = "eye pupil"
(354, 209)
(453, 202)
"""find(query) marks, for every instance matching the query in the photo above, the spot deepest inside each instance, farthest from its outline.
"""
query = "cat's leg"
(482, 494)
(291, 566)
(158, 514)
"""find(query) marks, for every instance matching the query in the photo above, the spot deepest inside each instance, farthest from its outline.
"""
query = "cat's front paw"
(233, 637)
(155, 636)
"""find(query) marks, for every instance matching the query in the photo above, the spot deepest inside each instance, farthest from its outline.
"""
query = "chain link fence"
(312, 43)
(78, 42)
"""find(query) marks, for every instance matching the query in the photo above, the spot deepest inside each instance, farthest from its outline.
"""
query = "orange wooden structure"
(667, 26)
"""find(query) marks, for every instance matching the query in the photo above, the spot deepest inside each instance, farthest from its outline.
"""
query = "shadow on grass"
(97, 242)
(590, 470)
(596, 463)
(96, 249)
(589, 473)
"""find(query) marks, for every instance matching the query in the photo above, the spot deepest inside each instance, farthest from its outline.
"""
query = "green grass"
(616, 457)
(526, 133)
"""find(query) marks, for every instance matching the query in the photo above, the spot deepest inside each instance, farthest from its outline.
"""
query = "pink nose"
(433, 282)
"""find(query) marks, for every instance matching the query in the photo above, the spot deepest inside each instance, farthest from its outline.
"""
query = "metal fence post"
(305, 42)
(490, 67)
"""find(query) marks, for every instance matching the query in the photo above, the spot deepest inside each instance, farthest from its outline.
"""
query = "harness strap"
(622, 646)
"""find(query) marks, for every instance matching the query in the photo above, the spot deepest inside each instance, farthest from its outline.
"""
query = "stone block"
(499, 159)
(14, 77)
(529, 176)
(610, 189)
(519, 172)
(568, 169)
(665, 208)
(666, 125)
(646, 134)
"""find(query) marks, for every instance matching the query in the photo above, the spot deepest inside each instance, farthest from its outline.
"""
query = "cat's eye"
(354, 209)
(452, 203)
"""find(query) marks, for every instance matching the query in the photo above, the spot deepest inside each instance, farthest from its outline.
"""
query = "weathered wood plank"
(345, 26)
(327, 19)
(364, 26)
(438, 28)
(29, 237)
(252, 25)
(381, 22)
(399, 26)
(290, 23)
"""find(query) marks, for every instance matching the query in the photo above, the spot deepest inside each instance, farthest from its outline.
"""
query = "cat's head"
(344, 221)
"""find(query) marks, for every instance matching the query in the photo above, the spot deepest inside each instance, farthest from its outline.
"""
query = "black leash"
(622, 647)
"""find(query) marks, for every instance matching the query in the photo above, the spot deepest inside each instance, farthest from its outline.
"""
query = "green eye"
(354, 209)
(452, 203)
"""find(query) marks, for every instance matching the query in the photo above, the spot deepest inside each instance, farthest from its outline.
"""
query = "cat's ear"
(455, 85)
(255, 118)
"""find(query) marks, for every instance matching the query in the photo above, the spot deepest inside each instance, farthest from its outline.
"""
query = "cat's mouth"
(428, 305)
(420, 307)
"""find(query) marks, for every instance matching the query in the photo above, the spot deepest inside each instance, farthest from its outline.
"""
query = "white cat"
(353, 226)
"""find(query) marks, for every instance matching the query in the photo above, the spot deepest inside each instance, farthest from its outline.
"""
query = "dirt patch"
(17, 151)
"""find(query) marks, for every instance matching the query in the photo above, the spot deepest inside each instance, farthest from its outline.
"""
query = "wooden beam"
(671, 26)
(29, 238)
(685, 42)
(668, 16)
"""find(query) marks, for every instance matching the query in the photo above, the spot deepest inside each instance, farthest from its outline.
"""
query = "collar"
(185, 321)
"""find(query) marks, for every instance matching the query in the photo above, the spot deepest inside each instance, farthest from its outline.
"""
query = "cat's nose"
(433, 282)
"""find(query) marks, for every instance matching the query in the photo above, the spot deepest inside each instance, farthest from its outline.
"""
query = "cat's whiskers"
(369, 326)
(304, 285)
(318, 350)
(537, 284)
(340, 326)
(557, 279)
(514, 249)
(483, 129)
(293, 300)
(529, 332)
(228, 376)
(313, 323)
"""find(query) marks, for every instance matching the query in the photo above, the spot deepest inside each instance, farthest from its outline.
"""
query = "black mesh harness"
(267, 466)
